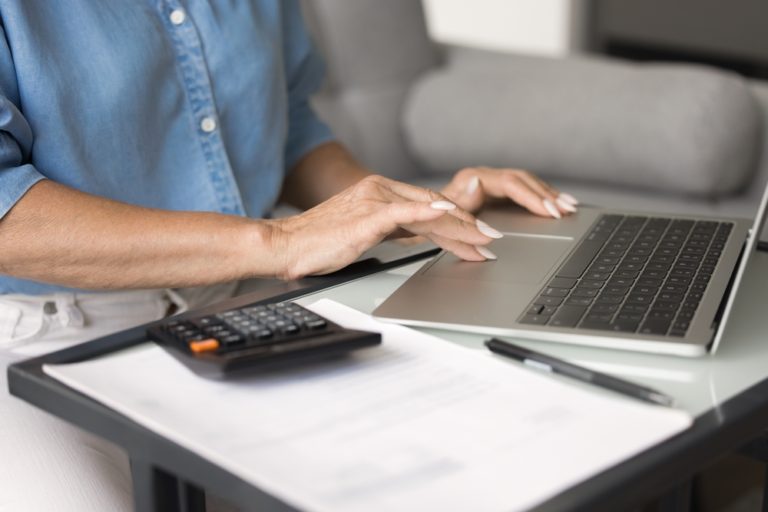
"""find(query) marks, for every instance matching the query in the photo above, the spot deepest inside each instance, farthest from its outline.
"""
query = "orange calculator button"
(206, 345)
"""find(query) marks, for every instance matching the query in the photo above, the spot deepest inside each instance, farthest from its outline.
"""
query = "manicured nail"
(568, 198)
(487, 230)
(485, 252)
(472, 185)
(550, 207)
(565, 206)
(443, 205)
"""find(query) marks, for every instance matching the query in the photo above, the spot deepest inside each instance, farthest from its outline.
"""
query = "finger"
(395, 215)
(464, 251)
(513, 187)
(399, 191)
(453, 228)
(549, 193)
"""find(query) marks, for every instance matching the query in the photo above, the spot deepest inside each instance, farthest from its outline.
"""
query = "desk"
(728, 395)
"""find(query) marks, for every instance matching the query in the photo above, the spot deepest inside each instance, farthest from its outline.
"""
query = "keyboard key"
(562, 282)
(621, 281)
(604, 308)
(666, 306)
(645, 290)
(596, 276)
(581, 258)
(631, 266)
(625, 325)
(555, 292)
(609, 299)
(670, 297)
(549, 301)
(585, 292)
(635, 308)
(535, 309)
(534, 319)
(639, 298)
(635, 317)
(648, 281)
(578, 301)
(567, 316)
(655, 325)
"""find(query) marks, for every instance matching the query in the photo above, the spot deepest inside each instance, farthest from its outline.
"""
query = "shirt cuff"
(14, 183)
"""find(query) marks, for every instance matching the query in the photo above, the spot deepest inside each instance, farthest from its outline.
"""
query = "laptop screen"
(750, 246)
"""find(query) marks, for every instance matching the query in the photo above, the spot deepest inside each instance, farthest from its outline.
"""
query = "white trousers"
(45, 463)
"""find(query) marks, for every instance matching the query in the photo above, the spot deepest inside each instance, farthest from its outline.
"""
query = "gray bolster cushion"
(679, 128)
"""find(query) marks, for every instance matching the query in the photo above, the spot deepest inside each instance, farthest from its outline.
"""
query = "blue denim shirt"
(174, 104)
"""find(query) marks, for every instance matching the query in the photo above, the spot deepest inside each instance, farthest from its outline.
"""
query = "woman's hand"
(471, 187)
(334, 233)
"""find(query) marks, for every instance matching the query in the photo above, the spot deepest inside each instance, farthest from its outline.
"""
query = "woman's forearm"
(59, 235)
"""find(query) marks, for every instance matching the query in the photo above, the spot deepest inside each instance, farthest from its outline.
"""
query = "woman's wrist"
(268, 250)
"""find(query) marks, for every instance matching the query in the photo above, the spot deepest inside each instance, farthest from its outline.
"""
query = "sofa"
(654, 137)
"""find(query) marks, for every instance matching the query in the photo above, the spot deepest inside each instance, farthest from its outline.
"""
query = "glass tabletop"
(697, 384)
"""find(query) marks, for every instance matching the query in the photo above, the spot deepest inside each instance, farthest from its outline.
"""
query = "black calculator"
(257, 336)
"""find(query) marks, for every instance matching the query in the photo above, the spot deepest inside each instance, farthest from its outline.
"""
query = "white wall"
(529, 26)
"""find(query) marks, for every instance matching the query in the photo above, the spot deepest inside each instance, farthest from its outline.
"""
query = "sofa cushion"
(678, 128)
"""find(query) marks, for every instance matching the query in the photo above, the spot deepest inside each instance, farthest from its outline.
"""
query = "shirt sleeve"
(305, 71)
(17, 175)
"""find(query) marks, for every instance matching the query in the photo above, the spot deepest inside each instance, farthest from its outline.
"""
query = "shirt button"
(178, 16)
(208, 124)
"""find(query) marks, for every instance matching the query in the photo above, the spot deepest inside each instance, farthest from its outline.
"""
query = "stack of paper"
(415, 424)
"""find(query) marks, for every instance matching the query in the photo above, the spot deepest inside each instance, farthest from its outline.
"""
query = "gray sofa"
(651, 137)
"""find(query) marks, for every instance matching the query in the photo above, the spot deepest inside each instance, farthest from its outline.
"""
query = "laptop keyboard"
(633, 274)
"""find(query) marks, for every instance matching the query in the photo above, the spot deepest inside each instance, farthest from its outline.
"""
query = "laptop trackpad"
(522, 259)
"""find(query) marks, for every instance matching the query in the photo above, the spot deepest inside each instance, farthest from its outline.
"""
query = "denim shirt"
(173, 104)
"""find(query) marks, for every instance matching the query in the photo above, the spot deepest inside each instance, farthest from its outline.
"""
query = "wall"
(543, 27)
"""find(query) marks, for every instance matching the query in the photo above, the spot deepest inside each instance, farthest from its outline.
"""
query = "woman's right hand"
(334, 233)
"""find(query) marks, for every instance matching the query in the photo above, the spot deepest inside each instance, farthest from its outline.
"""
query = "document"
(414, 424)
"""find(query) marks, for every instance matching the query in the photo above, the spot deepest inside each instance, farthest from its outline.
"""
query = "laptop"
(616, 279)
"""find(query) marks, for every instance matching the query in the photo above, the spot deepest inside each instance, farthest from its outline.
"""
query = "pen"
(555, 365)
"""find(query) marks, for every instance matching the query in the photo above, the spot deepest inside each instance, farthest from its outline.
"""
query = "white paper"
(415, 424)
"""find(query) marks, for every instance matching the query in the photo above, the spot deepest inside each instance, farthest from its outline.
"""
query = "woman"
(142, 145)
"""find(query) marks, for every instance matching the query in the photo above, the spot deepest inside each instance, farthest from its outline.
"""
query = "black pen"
(554, 365)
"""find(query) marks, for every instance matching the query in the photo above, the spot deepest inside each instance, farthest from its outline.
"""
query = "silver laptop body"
(495, 297)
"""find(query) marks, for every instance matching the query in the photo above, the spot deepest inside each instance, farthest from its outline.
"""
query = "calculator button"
(232, 339)
(289, 329)
(206, 345)
(315, 324)
(262, 334)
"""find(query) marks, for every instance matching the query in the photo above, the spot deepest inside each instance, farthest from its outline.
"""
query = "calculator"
(258, 336)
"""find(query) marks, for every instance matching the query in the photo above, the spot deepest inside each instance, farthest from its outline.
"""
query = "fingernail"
(565, 206)
(550, 207)
(568, 198)
(485, 252)
(443, 205)
(487, 230)
(472, 185)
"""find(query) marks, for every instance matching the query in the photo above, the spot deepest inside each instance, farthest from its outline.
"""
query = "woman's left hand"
(472, 186)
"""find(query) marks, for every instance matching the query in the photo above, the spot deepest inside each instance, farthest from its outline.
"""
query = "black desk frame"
(168, 477)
